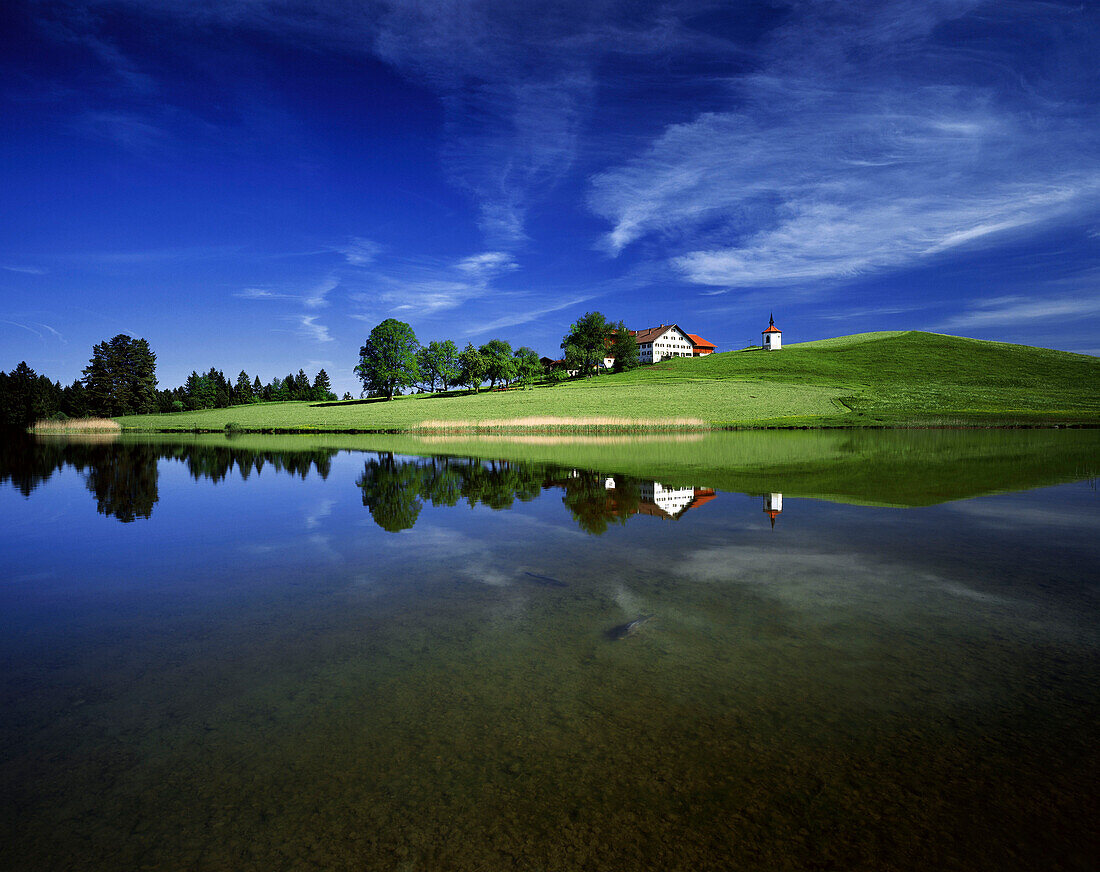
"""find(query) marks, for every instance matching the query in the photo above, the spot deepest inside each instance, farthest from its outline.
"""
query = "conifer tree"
(244, 388)
(322, 388)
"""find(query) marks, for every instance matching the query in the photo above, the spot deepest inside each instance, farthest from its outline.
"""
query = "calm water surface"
(288, 654)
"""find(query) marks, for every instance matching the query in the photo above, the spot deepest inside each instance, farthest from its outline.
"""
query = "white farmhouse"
(658, 343)
(772, 337)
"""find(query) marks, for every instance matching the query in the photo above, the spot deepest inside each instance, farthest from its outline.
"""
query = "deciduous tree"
(527, 365)
(387, 361)
(473, 367)
(586, 342)
(624, 348)
(499, 366)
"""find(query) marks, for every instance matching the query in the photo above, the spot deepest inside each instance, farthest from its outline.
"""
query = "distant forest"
(121, 379)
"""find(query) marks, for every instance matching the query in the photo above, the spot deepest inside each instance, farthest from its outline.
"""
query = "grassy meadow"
(887, 379)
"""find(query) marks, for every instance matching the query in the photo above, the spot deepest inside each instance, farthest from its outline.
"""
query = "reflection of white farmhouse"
(773, 505)
(667, 499)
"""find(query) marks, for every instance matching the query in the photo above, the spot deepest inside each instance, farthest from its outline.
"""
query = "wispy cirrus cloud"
(309, 328)
(42, 331)
(312, 297)
(427, 287)
(28, 270)
(836, 160)
(1020, 310)
(359, 251)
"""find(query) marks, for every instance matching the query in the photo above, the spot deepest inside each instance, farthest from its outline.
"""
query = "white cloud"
(517, 316)
(835, 160)
(309, 327)
(488, 262)
(312, 298)
(996, 311)
(29, 270)
(37, 328)
(427, 287)
(315, 296)
(360, 251)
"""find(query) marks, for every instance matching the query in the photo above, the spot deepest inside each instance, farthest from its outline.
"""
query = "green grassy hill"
(870, 379)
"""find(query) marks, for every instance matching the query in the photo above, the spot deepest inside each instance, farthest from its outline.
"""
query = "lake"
(767, 650)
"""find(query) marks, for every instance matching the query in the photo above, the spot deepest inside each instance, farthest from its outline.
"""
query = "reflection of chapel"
(773, 506)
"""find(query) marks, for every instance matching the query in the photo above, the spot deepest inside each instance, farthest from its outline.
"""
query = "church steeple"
(772, 338)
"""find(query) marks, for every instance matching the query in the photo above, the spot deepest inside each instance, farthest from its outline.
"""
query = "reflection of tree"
(124, 481)
(594, 505)
(391, 491)
(394, 490)
(123, 475)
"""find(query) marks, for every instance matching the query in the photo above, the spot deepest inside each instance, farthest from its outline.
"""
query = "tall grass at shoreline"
(78, 425)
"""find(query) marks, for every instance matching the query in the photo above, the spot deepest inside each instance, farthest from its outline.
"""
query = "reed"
(553, 423)
(77, 425)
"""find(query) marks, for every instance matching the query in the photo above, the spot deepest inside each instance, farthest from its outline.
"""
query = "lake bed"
(852, 651)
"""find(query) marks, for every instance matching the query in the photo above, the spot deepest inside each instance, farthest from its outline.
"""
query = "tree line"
(121, 379)
(392, 359)
(212, 390)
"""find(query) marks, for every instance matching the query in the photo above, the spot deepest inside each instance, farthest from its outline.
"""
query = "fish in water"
(546, 580)
(627, 629)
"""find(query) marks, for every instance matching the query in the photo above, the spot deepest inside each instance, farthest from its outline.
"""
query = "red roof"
(772, 329)
(700, 342)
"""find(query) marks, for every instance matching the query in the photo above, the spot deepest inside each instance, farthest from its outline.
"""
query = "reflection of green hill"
(899, 468)
(887, 467)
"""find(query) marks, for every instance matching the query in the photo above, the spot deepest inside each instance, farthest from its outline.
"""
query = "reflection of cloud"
(323, 546)
(321, 511)
(831, 586)
(1007, 515)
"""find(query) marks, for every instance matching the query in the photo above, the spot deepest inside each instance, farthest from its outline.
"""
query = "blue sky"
(255, 184)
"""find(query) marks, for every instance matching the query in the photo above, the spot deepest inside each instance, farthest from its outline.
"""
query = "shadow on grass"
(432, 396)
(349, 402)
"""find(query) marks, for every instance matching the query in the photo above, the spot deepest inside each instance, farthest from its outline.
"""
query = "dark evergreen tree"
(26, 397)
(243, 388)
(322, 388)
(200, 392)
(74, 400)
(120, 378)
(302, 388)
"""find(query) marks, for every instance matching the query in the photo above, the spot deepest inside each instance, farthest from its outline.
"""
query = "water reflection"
(395, 490)
(123, 476)
(600, 489)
